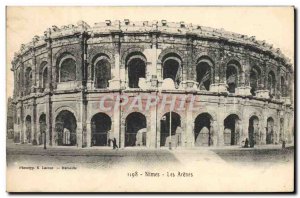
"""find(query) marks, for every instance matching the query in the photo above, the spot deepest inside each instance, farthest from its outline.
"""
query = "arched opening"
(172, 68)
(28, 128)
(233, 72)
(136, 69)
(67, 70)
(254, 79)
(271, 83)
(231, 130)
(65, 128)
(176, 131)
(270, 131)
(135, 130)
(204, 74)
(28, 80)
(203, 130)
(102, 73)
(253, 130)
(43, 127)
(101, 126)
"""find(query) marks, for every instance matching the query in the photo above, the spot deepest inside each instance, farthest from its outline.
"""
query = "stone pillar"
(245, 131)
(50, 131)
(219, 122)
(34, 120)
(79, 137)
(262, 91)
(84, 101)
(51, 68)
(153, 125)
(50, 120)
(240, 129)
(22, 79)
(219, 137)
(15, 73)
(24, 138)
(115, 82)
(122, 131)
(158, 130)
(263, 126)
(88, 134)
(189, 132)
(85, 139)
(34, 73)
(116, 124)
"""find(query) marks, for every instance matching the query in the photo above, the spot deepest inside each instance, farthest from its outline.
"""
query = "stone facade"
(244, 87)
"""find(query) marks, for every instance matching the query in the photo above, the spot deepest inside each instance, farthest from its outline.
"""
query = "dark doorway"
(271, 84)
(102, 73)
(270, 131)
(253, 82)
(43, 127)
(28, 128)
(203, 130)
(68, 70)
(171, 69)
(231, 130)
(253, 130)
(203, 75)
(65, 127)
(100, 126)
(135, 130)
(231, 78)
(255, 78)
(136, 69)
(175, 138)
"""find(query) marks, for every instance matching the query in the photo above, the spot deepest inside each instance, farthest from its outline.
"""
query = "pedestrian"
(283, 144)
(115, 143)
(246, 143)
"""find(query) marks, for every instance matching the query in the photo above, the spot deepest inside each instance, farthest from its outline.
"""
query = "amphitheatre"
(242, 87)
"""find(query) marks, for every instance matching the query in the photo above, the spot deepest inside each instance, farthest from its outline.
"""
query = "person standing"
(115, 146)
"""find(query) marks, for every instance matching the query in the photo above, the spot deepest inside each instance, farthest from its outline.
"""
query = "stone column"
(158, 129)
(153, 125)
(264, 124)
(79, 138)
(34, 72)
(84, 102)
(159, 73)
(24, 138)
(116, 123)
(88, 134)
(245, 131)
(122, 131)
(219, 122)
(189, 136)
(50, 130)
(34, 119)
(22, 79)
(115, 82)
(21, 126)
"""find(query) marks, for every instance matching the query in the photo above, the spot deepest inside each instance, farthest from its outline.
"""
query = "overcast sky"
(275, 25)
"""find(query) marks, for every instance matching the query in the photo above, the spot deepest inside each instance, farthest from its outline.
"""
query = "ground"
(225, 169)
(23, 154)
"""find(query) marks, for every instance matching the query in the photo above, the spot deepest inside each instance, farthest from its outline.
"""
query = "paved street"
(106, 157)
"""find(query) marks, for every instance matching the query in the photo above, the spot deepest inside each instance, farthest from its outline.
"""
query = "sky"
(275, 25)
